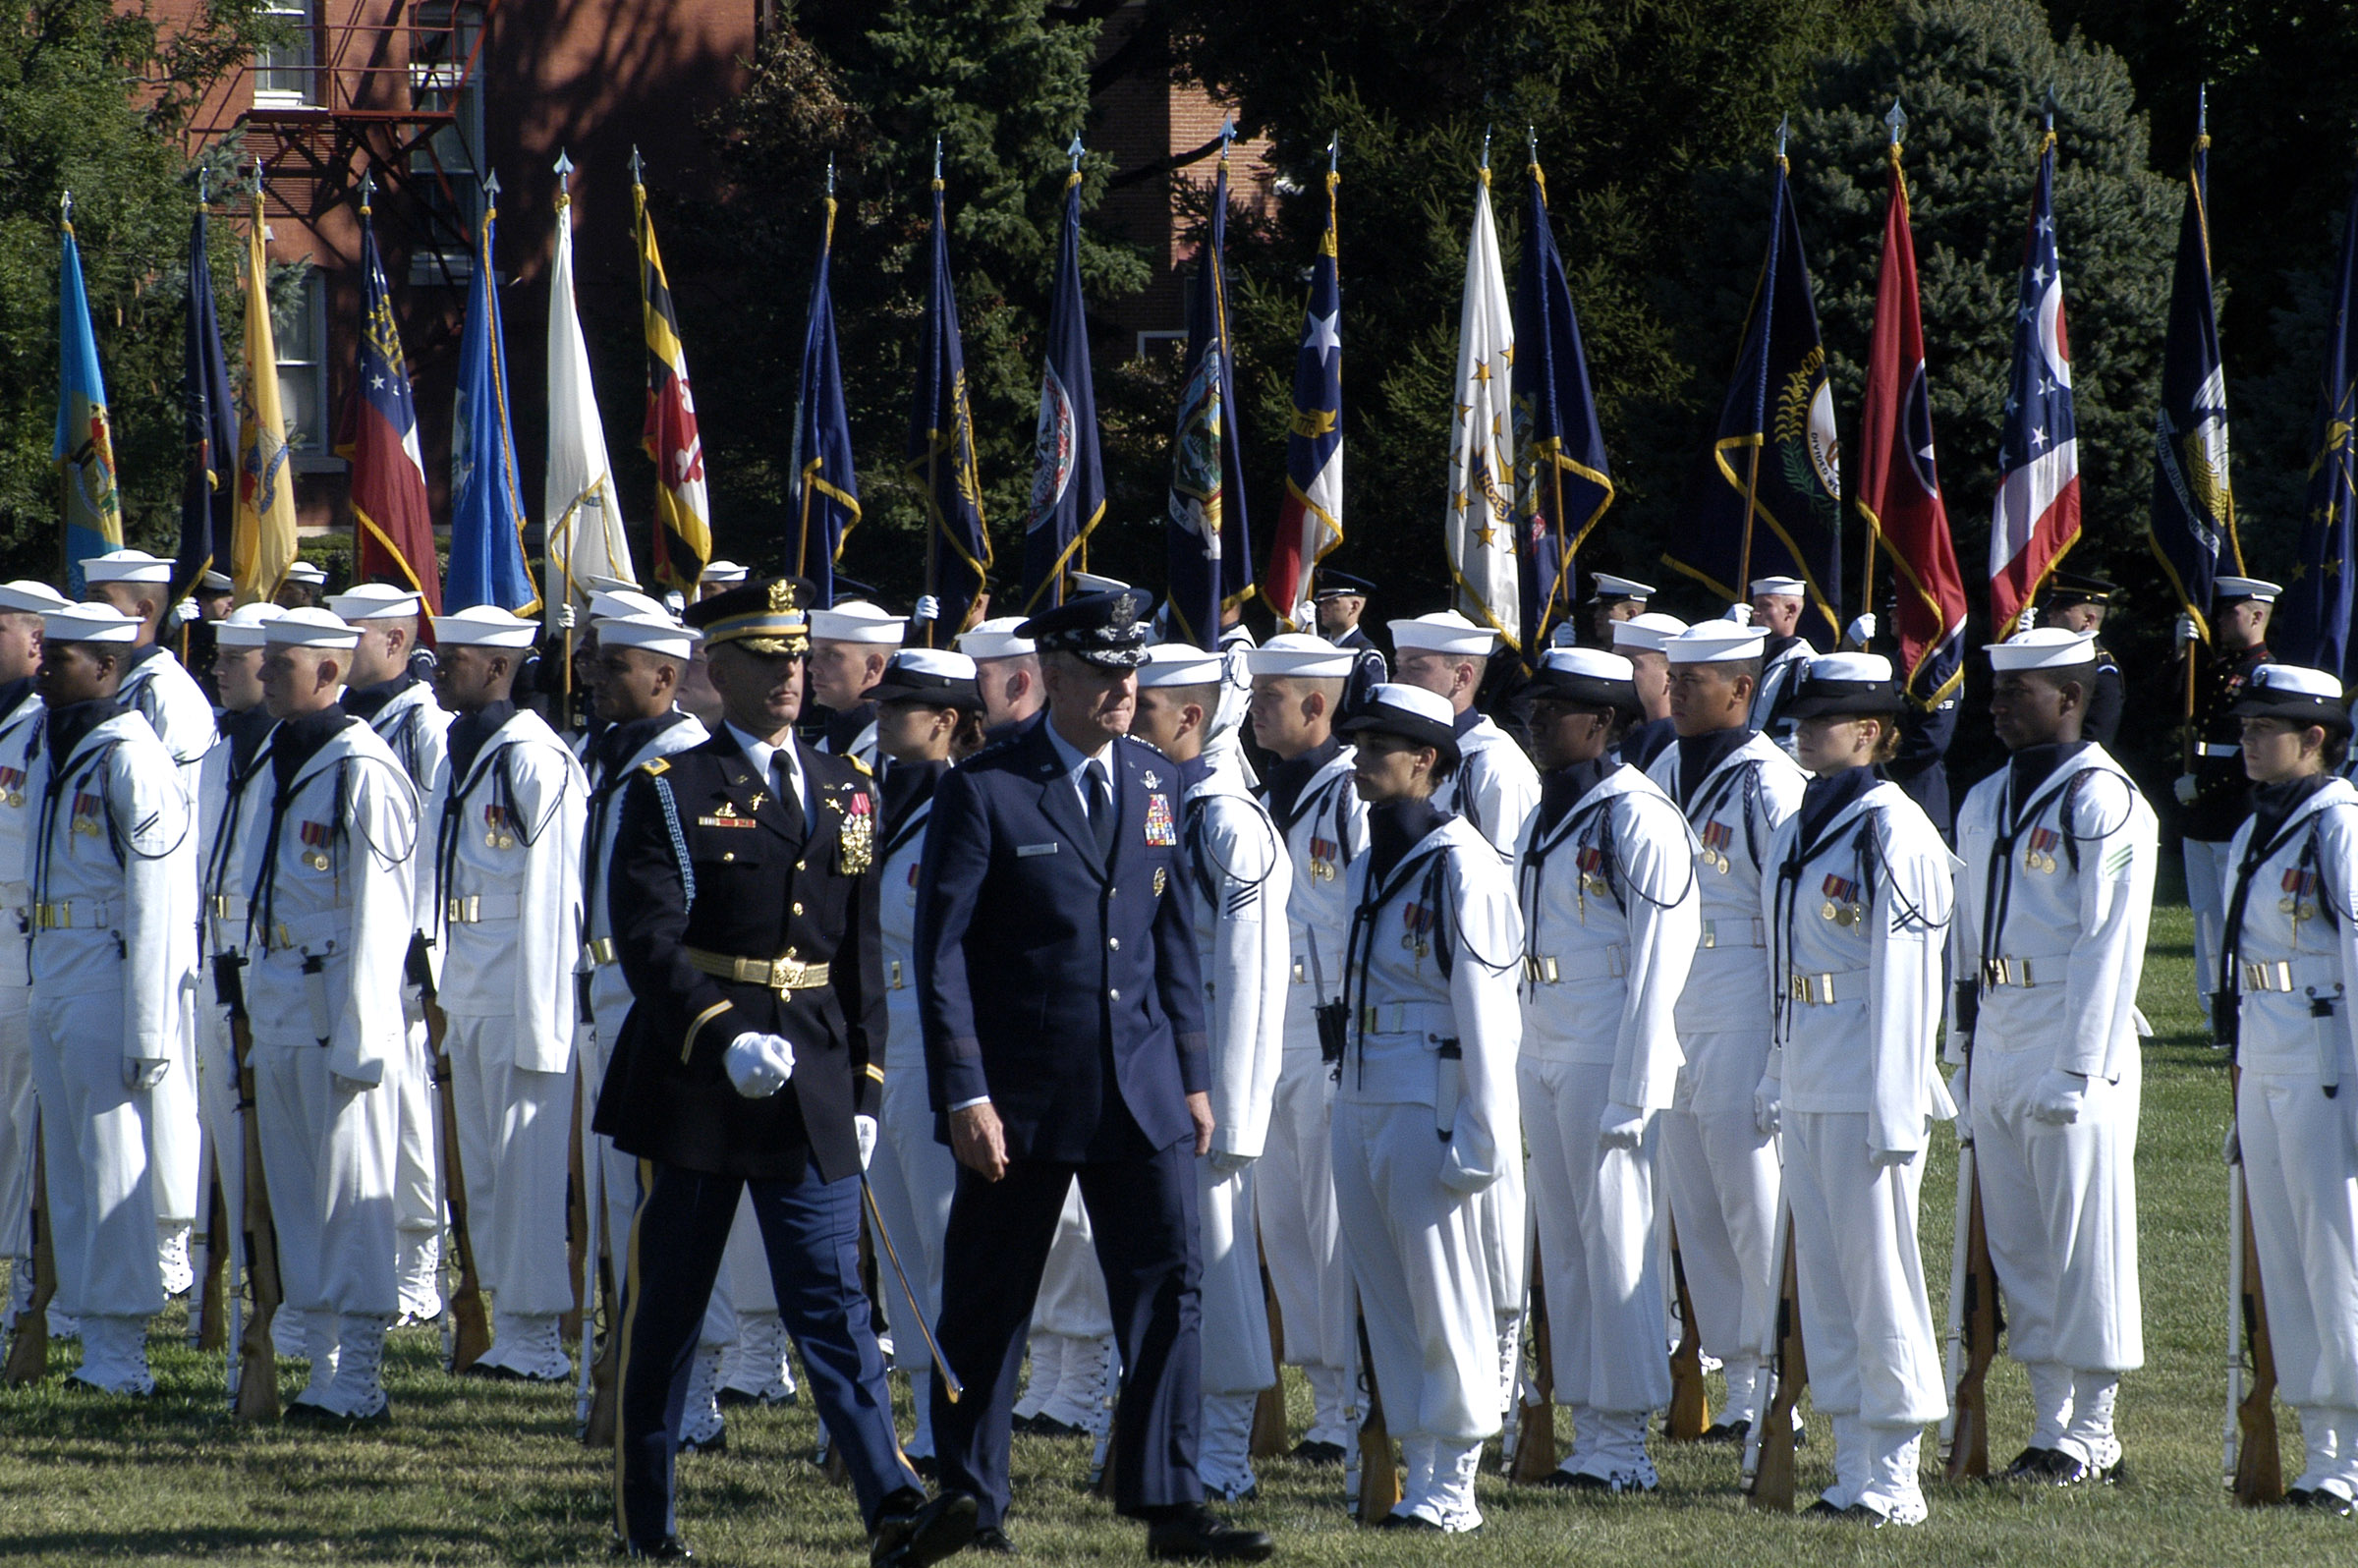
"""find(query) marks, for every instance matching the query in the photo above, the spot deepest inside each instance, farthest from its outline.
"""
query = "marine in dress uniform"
(2293, 940)
(2049, 945)
(384, 691)
(1243, 881)
(1299, 687)
(507, 817)
(22, 603)
(1065, 1038)
(2215, 792)
(102, 859)
(1607, 886)
(1425, 1116)
(927, 697)
(1612, 601)
(330, 907)
(1777, 606)
(1719, 1167)
(1341, 600)
(157, 686)
(1858, 903)
(2077, 602)
(1640, 640)
(849, 646)
(743, 896)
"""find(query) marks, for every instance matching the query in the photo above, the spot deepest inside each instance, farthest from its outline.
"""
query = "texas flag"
(2036, 516)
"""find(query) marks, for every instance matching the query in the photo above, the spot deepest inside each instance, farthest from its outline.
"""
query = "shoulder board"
(655, 767)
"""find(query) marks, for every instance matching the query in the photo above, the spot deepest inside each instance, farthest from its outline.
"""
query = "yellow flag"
(263, 542)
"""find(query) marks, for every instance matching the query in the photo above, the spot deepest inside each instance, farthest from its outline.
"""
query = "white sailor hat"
(624, 604)
(2293, 691)
(657, 633)
(24, 596)
(720, 572)
(1846, 686)
(311, 628)
(1716, 643)
(857, 621)
(1588, 676)
(2223, 590)
(1298, 653)
(485, 626)
(1607, 587)
(1445, 632)
(1792, 587)
(994, 639)
(247, 626)
(1648, 631)
(88, 623)
(305, 572)
(126, 566)
(1180, 664)
(938, 677)
(1410, 712)
(2045, 647)
(376, 602)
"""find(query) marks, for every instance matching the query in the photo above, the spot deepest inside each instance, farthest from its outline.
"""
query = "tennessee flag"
(2037, 516)
(683, 516)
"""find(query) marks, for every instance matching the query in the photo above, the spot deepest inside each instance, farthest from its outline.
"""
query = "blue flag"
(2312, 618)
(1067, 477)
(827, 495)
(1211, 541)
(1771, 504)
(2193, 522)
(942, 453)
(1563, 483)
(208, 503)
(487, 564)
(84, 449)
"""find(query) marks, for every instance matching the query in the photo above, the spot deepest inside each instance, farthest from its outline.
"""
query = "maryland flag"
(263, 542)
(683, 516)
(84, 450)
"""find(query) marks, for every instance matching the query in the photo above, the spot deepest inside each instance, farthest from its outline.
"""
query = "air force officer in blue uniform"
(1064, 1028)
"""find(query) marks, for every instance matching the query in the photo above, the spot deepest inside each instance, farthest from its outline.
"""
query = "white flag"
(1482, 445)
(578, 498)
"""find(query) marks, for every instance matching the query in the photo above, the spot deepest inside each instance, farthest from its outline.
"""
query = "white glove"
(2058, 1098)
(186, 613)
(2183, 788)
(1886, 1158)
(1862, 629)
(928, 608)
(863, 1131)
(2232, 1150)
(2026, 621)
(1767, 1102)
(758, 1064)
(2184, 632)
(1620, 1127)
(1741, 614)
(144, 1072)
(1460, 1180)
(1225, 1164)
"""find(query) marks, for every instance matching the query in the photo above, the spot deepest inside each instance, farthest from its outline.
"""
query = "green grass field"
(476, 1473)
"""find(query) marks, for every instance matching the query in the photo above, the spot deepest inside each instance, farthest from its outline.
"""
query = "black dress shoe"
(1308, 1453)
(492, 1373)
(993, 1539)
(671, 1548)
(1051, 1427)
(2296, 1497)
(911, 1532)
(717, 1443)
(1194, 1535)
(1412, 1523)
(1825, 1508)
(1566, 1480)
(2327, 1502)
(1726, 1433)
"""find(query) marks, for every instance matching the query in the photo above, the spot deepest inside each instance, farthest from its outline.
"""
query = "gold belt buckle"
(2275, 976)
(51, 917)
(602, 950)
(1540, 970)
(465, 911)
(1817, 991)
(1367, 1020)
(1710, 934)
(894, 982)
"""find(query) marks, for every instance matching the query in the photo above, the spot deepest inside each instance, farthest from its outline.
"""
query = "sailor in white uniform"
(1607, 886)
(1426, 1115)
(1858, 905)
(1719, 1165)
(1243, 882)
(719, 577)
(1777, 607)
(849, 646)
(508, 821)
(2290, 972)
(330, 910)
(111, 836)
(22, 606)
(1298, 686)
(157, 686)
(384, 691)
(2049, 945)
(927, 700)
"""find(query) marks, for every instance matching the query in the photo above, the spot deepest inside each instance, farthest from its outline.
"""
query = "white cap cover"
(1716, 643)
(1790, 586)
(247, 626)
(2045, 647)
(1594, 663)
(485, 626)
(2225, 589)
(657, 633)
(88, 623)
(1851, 667)
(24, 596)
(305, 572)
(1609, 586)
(1299, 653)
(608, 604)
(376, 602)
(857, 621)
(126, 566)
(1650, 631)
(1446, 632)
(994, 639)
(311, 628)
(1091, 583)
(718, 572)
(1180, 664)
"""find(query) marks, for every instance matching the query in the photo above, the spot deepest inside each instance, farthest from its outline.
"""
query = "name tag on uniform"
(1024, 851)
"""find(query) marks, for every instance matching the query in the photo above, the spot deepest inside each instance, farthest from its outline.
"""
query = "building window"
(283, 72)
(303, 366)
(446, 170)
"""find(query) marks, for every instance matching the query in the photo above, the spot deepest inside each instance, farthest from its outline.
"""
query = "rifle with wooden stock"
(1975, 1320)
(1378, 1474)
(28, 1346)
(253, 1394)
(1534, 1431)
(470, 1324)
(2254, 1468)
(1690, 1413)
(1768, 1447)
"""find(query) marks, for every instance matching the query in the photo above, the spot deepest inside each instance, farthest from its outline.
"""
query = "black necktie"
(790, 798)
(1100, 810)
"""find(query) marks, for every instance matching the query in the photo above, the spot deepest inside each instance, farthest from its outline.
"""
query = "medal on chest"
(2041, 856)
(1841, 903)
(1716, 836)
(1162, 831)
(1591, 878)
(1324, 854)
(86, 808)
(1416, 933)
(856, 836)
(12, 787)
(314, 845)
(496, 828)
(2298, 902)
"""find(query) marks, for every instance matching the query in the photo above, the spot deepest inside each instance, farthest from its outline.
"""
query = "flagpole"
(1897, 120)
(1071, 179)
(2202, 144)
(1752, 468)
(572, 520)
(934, 449)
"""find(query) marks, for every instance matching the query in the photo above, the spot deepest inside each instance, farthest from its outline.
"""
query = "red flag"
(396, 529)
(1899, 488)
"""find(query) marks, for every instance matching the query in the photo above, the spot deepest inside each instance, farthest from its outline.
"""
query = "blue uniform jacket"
(1049, 982)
